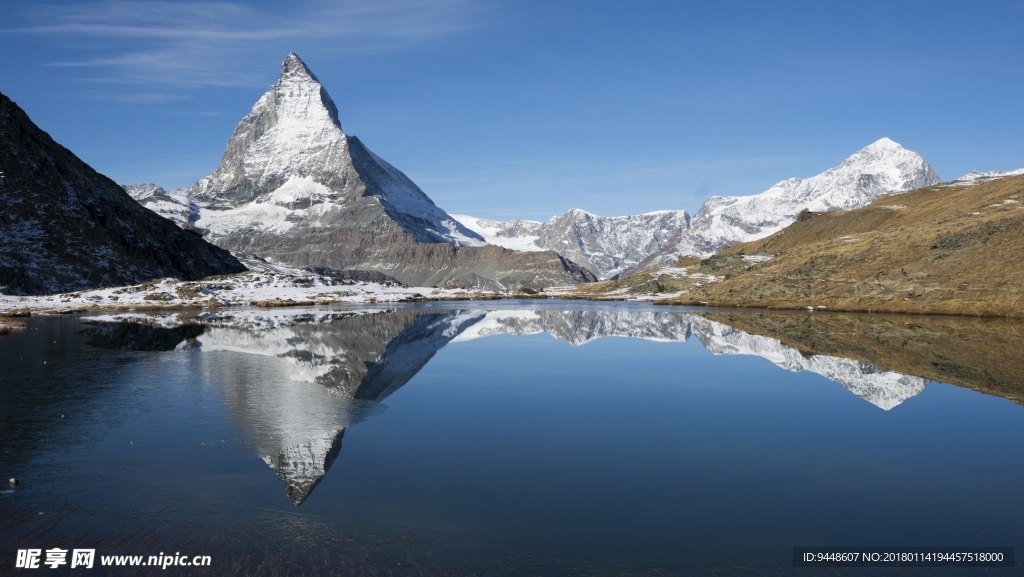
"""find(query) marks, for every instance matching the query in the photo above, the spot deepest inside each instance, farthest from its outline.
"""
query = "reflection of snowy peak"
(884, 389)
(293, 383)
(363, 355)
(582, 326)
(302, 466)
(323, 373)
(367, 355)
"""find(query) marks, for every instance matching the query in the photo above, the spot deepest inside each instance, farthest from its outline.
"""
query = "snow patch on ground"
(269, 288)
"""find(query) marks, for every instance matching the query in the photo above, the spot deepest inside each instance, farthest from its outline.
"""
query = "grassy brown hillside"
(941, 249)
(980, 354)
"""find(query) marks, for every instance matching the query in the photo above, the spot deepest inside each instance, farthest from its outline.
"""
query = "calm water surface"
(510, 438)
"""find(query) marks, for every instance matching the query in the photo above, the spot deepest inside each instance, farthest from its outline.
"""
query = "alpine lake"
(510, 438)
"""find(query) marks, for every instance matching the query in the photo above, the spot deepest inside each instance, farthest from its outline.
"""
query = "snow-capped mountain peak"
(613, 246)
(294, 188)
(289, 162)
(298, 82)
(292, 131)
(883, 167)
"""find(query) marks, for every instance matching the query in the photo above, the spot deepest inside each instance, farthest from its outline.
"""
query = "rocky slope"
(292, 187)
(953, 248)
(607, 245)
(65, 227)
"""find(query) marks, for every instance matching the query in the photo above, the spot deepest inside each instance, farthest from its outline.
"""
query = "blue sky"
(522, 108)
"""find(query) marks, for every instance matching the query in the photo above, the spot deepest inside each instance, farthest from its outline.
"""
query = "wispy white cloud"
(201, 44)
(137, 97)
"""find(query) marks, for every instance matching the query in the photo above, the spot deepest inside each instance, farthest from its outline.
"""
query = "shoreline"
(881, 309)
(9, 316)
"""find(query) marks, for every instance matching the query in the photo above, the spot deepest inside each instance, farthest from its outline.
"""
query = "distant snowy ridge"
(614, 246)
(606, 245)
(975, 177)
(879, 169)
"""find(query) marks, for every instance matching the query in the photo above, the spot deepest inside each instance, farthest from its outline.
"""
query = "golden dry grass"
(7, 325)
(644, 283)
(946, 250)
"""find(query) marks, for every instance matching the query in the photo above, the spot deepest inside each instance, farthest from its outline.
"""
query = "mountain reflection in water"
(339, 365)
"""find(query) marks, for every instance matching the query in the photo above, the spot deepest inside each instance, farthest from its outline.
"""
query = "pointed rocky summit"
(292, 187)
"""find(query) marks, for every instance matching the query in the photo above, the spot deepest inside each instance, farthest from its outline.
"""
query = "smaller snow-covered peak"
(578, 212)
(144, 191)
(882, 154)
(884, 143)
(888, 160)
(881, 168)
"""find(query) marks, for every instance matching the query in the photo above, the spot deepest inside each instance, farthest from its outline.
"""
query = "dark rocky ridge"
(65, 227)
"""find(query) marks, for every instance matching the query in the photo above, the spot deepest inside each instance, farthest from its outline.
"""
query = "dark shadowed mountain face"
(65, 227)
(294, 188)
